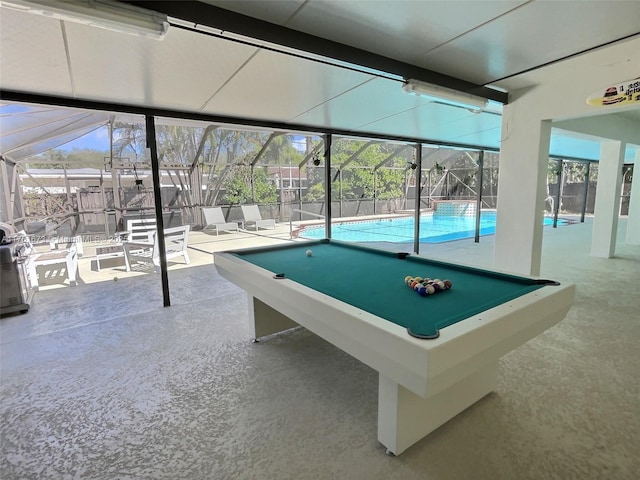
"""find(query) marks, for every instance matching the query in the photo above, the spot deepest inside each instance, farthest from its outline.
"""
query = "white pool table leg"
(404, 417)
(265, 320)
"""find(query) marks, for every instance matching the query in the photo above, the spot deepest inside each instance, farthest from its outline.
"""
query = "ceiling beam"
(200, 13)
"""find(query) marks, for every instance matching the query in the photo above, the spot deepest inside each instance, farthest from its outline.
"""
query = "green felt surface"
(373, 280)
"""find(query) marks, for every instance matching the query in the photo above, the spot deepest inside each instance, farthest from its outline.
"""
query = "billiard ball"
(447, 284)
(309, 253)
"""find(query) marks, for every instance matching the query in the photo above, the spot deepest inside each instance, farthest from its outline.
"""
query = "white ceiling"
(478, 41)
(483, 43)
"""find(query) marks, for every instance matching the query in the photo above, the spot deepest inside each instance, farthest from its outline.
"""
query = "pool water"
(433, 229)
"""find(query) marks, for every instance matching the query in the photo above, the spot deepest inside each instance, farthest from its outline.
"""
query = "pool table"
(436, 355)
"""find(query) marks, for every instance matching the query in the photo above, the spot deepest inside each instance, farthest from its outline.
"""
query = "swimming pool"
(433, 229)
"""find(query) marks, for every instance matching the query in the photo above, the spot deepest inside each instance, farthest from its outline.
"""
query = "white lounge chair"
(214, 221)
(252, 216)
(175, 240)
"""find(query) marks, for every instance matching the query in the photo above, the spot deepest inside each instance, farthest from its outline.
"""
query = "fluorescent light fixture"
(107, 14)
(445, 95)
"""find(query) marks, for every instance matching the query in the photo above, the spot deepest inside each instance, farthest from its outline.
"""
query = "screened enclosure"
(301, 185)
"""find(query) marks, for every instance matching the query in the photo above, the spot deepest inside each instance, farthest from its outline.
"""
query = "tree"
(54, 158)
(129, 139)
(281, 152)
(238, 189)
(178, 145)
(358, 177)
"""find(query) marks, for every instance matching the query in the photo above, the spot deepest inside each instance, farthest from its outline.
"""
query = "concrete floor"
(100, 382)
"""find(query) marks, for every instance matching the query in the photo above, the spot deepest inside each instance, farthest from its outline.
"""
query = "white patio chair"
(214, 221)
(57, 261)
(138, 230)
(176, 243)
(252, 216)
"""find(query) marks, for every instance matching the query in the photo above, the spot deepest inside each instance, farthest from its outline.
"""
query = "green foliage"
(362, 169)
(238, 186)
(76, 158)
(389, 184)
(572, 172)
(315, 193)
(87, 158)
(281, 151)
(230, 146)
(49, 159)
(264, 190)
(239, 189)
(178, 145)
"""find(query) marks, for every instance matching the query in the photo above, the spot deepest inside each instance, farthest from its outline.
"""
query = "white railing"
(294, 210)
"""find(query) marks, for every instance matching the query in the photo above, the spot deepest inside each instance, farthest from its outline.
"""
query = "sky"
(99, 140)
(96, 140)
(14, 118)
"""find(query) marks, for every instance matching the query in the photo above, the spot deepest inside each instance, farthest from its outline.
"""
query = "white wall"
(556, 92)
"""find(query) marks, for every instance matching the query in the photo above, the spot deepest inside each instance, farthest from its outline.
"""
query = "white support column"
(404, 417)
(7, 199)
(633, 221)
(607, 207)
(266, 320)
(524, 158)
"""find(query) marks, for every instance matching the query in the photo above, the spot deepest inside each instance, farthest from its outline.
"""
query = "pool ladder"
(294, 210)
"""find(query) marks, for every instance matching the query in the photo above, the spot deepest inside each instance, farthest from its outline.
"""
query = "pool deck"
(200, 250)
(201, 247)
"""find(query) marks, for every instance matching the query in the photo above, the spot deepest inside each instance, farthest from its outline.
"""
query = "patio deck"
(201, 248)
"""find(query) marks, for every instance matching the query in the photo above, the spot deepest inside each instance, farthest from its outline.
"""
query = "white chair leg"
(33, 276)
(72, 266)
(127, 263)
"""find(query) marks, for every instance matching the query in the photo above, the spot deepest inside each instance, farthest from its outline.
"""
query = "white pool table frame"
(422, 383)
